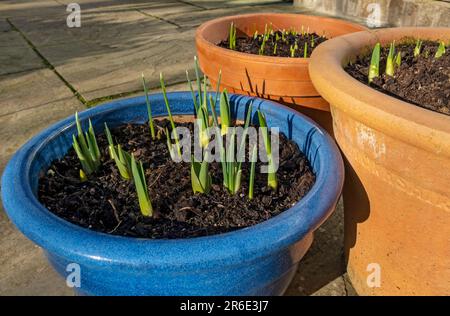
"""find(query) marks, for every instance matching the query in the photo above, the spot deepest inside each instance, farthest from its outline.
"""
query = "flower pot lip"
(60, 237)
(203, 41)
(413, 124)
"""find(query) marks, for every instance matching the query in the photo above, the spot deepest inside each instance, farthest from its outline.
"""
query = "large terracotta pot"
(397, 190)
(285, 80)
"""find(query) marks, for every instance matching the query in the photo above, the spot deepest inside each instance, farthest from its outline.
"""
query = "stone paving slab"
(177, 5)
(119, 70)
(30, 8)
(23, 267)
(103, 58)
(324, 262)
(334, 288)
(214, 4)
(107, 54)
(15, 59)
(159, 7)
(15, 55)
(24, 90)
(104, 29)
(29, 102)
(4, 27)
(198, 17)
(44, 100)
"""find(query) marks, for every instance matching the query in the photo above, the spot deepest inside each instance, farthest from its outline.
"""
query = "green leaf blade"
(149, 109)
(271, 176)
(374, 69)
(252, 173)
(225, 113)
(145, 204)
(440, 51)
(85, 163)
(390, 60)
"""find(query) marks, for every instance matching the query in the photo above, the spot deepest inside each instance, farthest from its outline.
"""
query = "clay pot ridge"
(413, 124)
(207, 35)
(282, 79)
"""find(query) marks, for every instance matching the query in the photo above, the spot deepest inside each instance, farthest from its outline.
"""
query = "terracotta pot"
(397, 190)
(282, 79)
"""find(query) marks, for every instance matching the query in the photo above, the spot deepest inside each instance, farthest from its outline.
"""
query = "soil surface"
(107, 203)
(422, 80)
(252, 45)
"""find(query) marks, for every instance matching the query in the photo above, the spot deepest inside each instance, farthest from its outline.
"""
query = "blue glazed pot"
(258, 260)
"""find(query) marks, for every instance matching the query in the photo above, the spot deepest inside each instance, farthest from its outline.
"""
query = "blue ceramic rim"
(79, 244)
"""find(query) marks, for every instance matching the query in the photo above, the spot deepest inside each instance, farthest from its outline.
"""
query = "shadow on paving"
(324, 262)
(118, 40)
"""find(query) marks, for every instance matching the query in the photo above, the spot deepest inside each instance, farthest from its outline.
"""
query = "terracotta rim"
(264, 59)
(413, 124)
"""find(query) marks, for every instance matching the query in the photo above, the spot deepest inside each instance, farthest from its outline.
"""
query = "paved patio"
(48, 71)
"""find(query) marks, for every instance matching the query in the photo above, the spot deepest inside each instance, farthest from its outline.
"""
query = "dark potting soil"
(107, 203)
(423, 80)
(251, 45)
